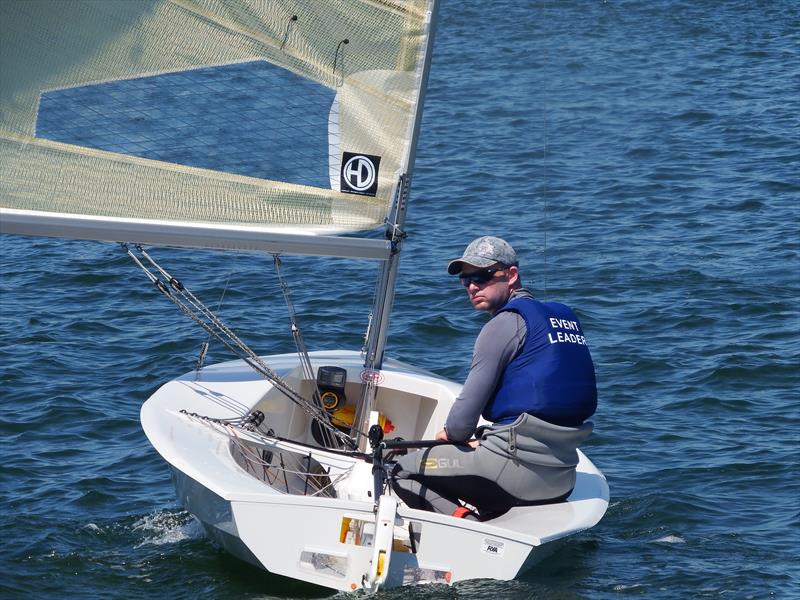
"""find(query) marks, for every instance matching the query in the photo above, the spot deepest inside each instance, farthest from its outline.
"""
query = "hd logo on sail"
(359, 174)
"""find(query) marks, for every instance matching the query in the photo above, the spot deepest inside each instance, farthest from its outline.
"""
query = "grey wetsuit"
(525, 462)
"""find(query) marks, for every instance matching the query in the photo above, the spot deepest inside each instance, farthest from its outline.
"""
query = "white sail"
(285, 118)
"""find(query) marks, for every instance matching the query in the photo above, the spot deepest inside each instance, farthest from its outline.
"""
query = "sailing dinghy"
(281, 458)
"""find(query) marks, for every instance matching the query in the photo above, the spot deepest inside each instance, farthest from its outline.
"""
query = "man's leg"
(416, 475)
(436, 478)
(418, 495)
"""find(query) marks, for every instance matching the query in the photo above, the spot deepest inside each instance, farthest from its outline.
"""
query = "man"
(532, 376)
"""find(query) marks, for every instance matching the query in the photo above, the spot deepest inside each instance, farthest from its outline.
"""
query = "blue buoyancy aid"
(552, 377)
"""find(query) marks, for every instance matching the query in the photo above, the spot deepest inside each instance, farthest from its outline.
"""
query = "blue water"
(643, 158)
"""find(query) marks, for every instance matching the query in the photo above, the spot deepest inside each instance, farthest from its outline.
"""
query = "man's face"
(492, 293)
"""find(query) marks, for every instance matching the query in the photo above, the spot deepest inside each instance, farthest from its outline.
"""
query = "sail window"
(252, 118)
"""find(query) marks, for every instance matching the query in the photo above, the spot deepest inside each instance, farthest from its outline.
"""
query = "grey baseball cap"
(484, 252)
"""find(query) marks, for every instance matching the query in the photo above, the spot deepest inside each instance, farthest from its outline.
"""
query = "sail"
(214, 121)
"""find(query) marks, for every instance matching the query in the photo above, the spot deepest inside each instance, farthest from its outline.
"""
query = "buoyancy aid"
(552, 377)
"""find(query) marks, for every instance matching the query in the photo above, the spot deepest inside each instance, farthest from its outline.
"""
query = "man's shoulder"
(527, 302)
(536, 314)
(505, 323)
(521, 303)
(522, 294)
(502, 317)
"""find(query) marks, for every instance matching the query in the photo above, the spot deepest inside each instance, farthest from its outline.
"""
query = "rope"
(233, 427)
(204, 346)
(252, 458)
(193, 308)
(544, 152)
(368, 389)
(302, 352)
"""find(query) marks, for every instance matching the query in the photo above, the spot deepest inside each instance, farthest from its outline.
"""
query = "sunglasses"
(478, 277)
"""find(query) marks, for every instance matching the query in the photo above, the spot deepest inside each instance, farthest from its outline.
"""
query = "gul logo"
(441, 463)
(359, 173)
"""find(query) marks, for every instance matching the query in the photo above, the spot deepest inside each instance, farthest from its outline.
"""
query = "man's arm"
(498, 343)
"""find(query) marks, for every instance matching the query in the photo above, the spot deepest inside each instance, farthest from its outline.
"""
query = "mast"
(395, 222)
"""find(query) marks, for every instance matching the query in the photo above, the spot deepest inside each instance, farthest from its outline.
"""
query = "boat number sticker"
(359, 173)
(493, 547)
(368, 375)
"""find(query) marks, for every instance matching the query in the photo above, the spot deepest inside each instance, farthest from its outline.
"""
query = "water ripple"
(642, 158)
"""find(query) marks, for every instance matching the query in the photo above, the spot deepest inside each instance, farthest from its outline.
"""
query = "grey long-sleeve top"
(498, 343)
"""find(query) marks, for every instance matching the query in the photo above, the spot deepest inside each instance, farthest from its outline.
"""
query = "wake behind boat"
(272, 496)
(278, 127)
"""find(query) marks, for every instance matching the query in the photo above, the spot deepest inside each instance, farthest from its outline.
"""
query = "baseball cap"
(484, 252)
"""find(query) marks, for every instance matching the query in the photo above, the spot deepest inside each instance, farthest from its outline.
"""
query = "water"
(643, 158)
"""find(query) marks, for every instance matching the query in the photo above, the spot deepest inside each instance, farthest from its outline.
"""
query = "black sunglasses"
(478, 277)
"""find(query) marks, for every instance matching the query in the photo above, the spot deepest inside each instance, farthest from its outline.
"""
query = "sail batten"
(269, 114)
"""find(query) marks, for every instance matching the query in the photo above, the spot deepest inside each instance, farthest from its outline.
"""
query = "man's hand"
(442, 437)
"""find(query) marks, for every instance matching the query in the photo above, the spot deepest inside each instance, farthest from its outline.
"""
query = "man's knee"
(412, 493)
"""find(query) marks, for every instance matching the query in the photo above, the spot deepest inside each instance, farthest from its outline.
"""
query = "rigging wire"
(377, 317)
(193, 308)
(270, 437)
(302, 352)
(544, 147)
(204, 346)
(368, 389)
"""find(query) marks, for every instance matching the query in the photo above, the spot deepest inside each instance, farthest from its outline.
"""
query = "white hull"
(306, 536)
